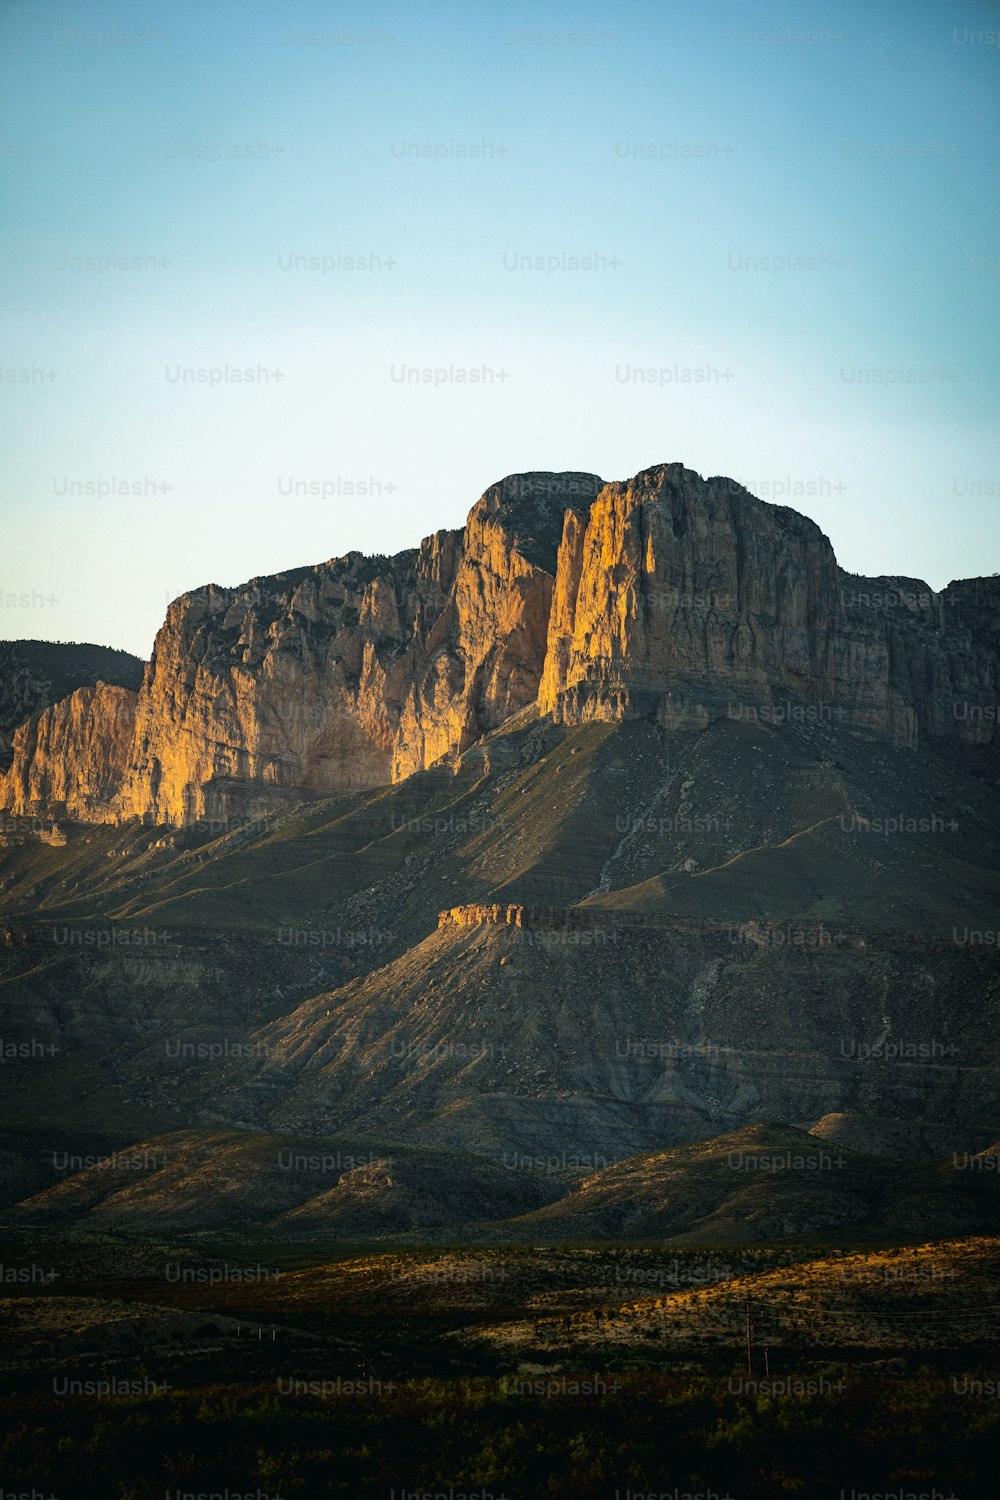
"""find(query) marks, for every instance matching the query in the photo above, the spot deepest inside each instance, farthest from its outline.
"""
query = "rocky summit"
(621, 820)
(667, 596)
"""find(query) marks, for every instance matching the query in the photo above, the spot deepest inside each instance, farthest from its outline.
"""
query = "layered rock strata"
(666, 595)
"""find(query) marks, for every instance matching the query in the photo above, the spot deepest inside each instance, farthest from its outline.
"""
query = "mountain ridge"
(34, 675)
(667, 596)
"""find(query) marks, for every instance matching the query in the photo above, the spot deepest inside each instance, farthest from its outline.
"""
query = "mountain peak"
(665, 595)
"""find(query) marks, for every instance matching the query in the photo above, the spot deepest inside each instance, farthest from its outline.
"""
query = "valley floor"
(133, 1367)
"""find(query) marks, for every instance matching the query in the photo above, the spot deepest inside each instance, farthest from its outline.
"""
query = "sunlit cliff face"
(666, 595)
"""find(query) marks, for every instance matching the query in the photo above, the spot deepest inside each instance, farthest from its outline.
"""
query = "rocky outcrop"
(772, 936)
(667, 595)
(679, 596)
(347, 675)
(936, 657)
(545, 918)
(36, 674)
(284, 686)
(689, 599)
(73, 757)
(481, 660)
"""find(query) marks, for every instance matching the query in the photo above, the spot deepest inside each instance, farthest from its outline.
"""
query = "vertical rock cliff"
(668, 595)
(680, 596)
(690, 599)
(73, 757)
(482, 661)
(350, 674)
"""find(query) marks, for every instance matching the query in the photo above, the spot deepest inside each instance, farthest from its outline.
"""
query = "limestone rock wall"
(342, 676)
(667, 594)
(690, 599)
(73, 756)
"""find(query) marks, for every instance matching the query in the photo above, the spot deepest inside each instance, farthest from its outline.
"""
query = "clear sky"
(791, 214)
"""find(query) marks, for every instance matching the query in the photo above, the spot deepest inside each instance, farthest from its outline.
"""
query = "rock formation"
(36, 674)
(667, 595)
(690, 599)
(73, 756)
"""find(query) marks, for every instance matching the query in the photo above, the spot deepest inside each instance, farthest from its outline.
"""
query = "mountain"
(631, 821)
(349, 674)
(764, 1183)
(36, 674)
(667, 596)
(604, 936)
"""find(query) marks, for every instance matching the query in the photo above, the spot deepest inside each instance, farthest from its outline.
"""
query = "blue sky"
(791, 214)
